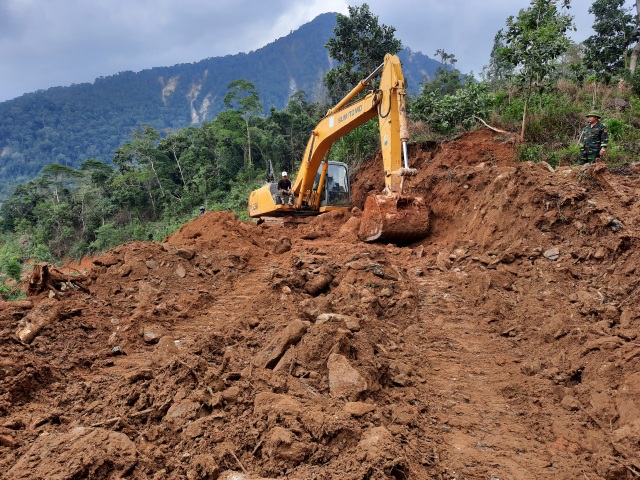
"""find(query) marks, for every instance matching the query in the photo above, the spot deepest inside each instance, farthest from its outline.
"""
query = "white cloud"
(45, 43)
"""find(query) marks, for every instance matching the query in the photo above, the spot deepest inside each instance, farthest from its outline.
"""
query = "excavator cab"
(336, 191)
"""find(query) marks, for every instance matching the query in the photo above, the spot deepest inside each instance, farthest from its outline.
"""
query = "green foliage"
(358, 145)
(616, 128)
(158, 181)
(449, 113)
(14, 269)
(533, 41)
(236, 199)
(11, 293)
(359, 45)
(634, 79)
(445, 82)
(605, 51)
(530, 153)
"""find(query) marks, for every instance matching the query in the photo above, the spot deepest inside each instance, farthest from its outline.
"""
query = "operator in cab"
(284, 188)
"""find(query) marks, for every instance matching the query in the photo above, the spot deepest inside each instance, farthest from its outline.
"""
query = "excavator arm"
(387, 102)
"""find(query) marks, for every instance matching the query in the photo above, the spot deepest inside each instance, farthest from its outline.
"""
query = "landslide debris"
(504, 345)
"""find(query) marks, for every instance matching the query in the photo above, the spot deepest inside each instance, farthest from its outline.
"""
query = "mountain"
(67, 125)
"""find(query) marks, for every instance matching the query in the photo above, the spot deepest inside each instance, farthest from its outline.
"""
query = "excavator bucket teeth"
(394, 220)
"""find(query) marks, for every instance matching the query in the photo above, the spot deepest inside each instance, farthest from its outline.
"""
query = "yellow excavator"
(323, 185)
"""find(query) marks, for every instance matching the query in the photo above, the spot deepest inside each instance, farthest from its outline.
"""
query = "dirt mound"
(504, 345)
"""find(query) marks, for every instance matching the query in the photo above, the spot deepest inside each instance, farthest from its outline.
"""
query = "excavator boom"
(390, 216)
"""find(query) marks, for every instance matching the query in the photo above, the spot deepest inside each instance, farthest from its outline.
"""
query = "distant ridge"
(67, 125)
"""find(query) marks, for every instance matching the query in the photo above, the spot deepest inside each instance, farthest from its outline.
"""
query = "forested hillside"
(68, 125)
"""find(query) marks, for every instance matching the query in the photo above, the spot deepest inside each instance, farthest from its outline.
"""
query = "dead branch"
(493, 128)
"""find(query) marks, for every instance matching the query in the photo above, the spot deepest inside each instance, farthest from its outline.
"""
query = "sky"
(49, 43)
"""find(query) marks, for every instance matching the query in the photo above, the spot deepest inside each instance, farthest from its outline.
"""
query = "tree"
(533, 41)
(57, 178)
(243, 96)
(636, 37)
(499, 69)
(359, 45)
(605, 52)
(446, 58)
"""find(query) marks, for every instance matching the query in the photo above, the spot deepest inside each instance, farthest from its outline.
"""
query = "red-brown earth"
(502, 346)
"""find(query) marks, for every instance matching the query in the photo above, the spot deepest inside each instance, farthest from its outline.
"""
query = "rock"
(181, 271)
(231, 394)
(443, 262)
(531, 369)
(7, 441)
(344, 380)
(79, 453)
(626, 316)
(106, 260)
(419, 252)
(552, 253)
(152, 264)
(318, 284)
(405, 415)
(269, 356)
(570, 403)
(269, 403)
(600, 253)
(357, 409)
(186, 253)
(124, 270)
(375, 443)
(352, 323)
(507, 258)
(181, 412)
(117, 350)
(283, 444)
(309, 309)
(195, 429)
(165, 349)
(142, 374)
(150, 338)
(283, 245)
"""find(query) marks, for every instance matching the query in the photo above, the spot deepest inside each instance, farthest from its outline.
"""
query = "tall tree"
(498, 69)
(243, 96)
(533, 41)
(636, 37)
(605, 51)
(359, 45)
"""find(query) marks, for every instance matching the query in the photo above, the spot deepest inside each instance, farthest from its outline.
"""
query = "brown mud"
(502, 346)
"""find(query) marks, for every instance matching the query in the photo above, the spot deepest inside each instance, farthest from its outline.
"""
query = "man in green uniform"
(593, 140)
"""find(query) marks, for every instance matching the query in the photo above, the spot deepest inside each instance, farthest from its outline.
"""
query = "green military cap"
(593, 113)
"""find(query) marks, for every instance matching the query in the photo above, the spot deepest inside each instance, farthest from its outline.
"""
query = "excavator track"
(394, 219)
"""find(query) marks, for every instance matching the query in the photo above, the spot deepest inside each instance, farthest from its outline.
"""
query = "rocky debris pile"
(505, 345)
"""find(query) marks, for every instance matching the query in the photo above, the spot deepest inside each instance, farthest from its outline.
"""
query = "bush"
(448, 113)
(14, 269)
(11, 294)
(616, 128)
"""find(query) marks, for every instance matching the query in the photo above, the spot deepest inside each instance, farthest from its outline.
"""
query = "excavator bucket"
(394, 219)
